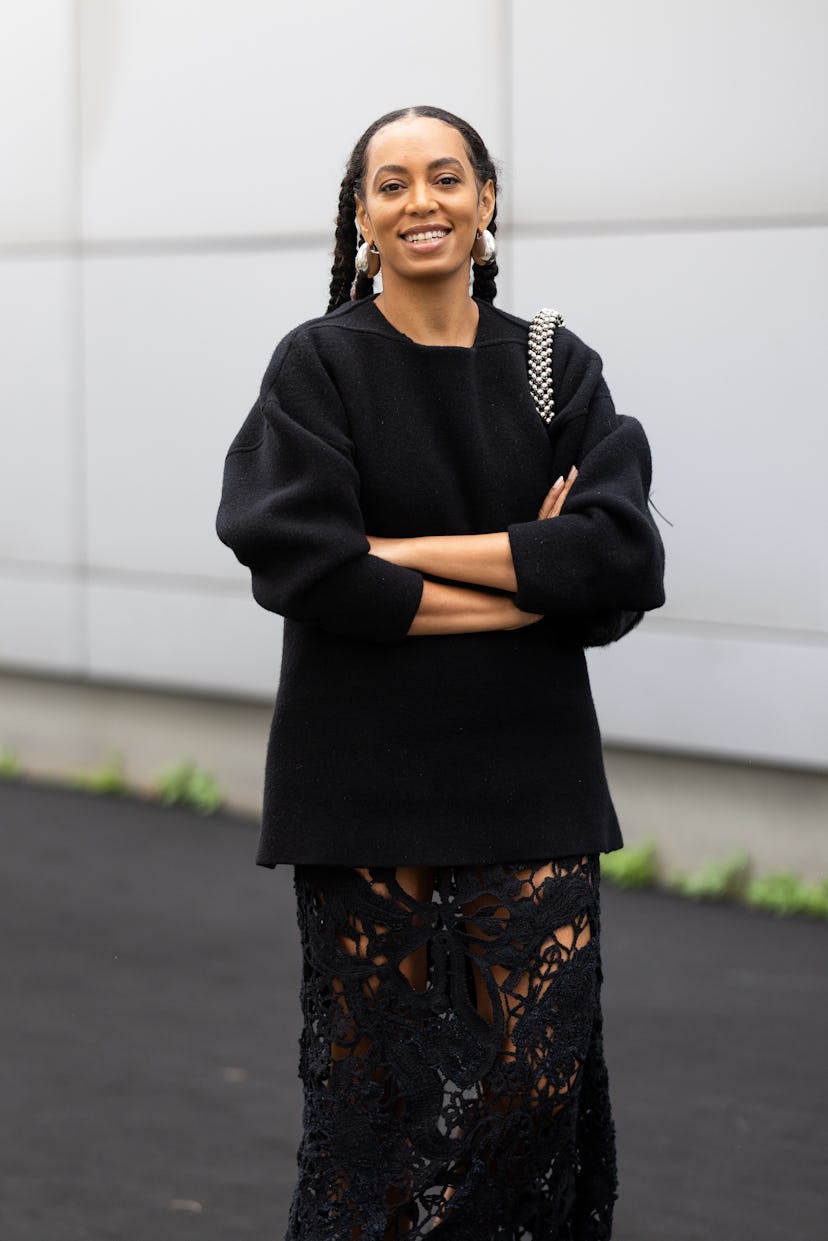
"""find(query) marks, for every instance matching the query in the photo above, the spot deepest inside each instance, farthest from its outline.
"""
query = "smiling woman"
(434, 773)
(424, 213)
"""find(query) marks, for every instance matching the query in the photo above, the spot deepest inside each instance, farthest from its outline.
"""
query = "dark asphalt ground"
(148, 1041)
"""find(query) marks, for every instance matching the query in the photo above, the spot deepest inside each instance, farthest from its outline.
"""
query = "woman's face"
(423, 206)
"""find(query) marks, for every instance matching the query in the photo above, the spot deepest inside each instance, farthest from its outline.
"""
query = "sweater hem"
(532, 851)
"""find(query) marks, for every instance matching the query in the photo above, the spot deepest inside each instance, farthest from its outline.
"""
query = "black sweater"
(387, 749)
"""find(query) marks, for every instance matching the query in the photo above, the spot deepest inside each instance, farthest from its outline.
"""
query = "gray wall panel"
(645, 110)
(255, 105)
(41, 476)
(38, 151)
(754, 697)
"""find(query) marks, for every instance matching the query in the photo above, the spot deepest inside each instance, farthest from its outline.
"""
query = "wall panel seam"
(160, 247)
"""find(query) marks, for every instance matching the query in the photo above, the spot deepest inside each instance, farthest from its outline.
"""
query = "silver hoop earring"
(367, 260)
(484, 248)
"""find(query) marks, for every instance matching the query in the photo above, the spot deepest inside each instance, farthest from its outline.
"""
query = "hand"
(556, 495)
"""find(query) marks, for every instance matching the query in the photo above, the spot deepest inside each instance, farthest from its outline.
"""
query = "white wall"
(174, 169)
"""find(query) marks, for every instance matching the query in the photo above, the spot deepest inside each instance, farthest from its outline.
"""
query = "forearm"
(446, 609)
(604, 552)
(479, 559)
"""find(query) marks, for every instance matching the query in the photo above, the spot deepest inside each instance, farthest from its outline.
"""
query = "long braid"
(344, 264)
(346, 282)
(484, 284)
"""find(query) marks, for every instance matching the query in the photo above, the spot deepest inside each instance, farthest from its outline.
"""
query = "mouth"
(425, 238)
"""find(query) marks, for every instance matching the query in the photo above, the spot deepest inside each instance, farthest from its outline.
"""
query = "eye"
(448, 179)
(389, 187)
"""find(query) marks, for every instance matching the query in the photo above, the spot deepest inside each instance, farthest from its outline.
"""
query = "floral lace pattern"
(451, 1056)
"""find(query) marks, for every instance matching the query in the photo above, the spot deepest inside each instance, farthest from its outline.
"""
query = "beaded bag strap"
(541, 338)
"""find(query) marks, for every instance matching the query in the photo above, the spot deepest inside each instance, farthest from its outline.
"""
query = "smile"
(423, 238)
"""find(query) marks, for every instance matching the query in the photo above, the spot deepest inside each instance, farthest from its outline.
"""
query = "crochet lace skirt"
(451, 1057)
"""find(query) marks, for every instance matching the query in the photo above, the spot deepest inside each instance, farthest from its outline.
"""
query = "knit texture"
(387, 749)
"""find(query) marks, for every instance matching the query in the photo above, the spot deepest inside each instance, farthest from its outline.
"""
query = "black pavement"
(148, 1041)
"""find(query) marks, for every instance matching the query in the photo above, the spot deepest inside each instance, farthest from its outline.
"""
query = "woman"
(434, 772)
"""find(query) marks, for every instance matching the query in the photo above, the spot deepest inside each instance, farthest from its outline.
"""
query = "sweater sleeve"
(603, 553)
(290, 509)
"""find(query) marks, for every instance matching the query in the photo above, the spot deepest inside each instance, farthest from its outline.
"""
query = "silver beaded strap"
(541, 338)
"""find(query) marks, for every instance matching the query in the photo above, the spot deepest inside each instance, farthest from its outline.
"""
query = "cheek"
(375, 215)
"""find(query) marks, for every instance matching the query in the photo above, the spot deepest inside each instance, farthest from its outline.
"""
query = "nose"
(421, 199)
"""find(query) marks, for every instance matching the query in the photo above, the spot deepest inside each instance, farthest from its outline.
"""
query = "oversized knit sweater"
(387, 749)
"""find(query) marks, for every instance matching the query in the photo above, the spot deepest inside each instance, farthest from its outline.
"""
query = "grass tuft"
(784, 893)
(108, 780)
(185, 784)
(716, 881)
(632, 866)
(11, 767)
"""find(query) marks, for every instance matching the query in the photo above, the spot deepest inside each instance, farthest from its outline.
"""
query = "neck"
(429, 314)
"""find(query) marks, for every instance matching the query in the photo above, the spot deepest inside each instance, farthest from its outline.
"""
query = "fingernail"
(571, 474)
(559, 482)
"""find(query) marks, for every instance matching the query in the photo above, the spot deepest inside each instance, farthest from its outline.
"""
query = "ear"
(362, 219)
(486, 204)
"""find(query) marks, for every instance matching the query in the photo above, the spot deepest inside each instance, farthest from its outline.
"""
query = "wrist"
(409, 553)
(402, 553)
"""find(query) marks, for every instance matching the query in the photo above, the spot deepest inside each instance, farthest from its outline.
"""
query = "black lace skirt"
(451, 1056)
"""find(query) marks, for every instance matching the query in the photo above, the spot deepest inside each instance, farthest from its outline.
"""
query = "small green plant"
(185, 784)
(11, 767)
(108, 779)
(784, 893)
(631, 867)
(716, 881)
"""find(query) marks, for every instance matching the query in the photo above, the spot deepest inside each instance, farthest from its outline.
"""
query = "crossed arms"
(475, 560)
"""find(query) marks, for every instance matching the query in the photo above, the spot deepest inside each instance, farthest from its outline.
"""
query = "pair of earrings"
(368, 257)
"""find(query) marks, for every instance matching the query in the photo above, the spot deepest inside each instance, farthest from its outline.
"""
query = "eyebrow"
(447, 161)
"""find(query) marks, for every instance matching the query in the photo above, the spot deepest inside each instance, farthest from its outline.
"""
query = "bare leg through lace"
(451, 1055)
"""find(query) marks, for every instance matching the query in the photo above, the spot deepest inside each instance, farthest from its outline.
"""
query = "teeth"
(434, 235)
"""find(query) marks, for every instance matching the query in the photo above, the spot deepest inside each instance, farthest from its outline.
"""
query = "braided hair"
(346, 282)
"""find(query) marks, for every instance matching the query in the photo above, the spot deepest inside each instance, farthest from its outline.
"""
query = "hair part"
(346, 283)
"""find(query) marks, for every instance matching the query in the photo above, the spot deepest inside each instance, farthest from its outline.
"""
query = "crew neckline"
(395, 331)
